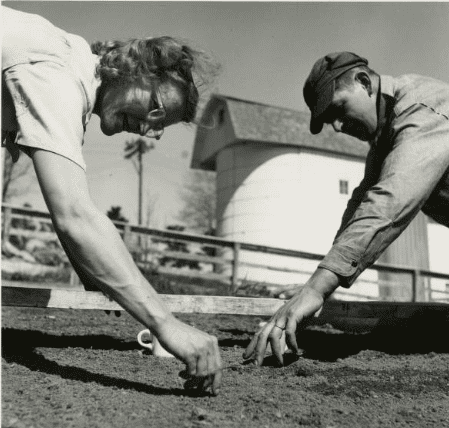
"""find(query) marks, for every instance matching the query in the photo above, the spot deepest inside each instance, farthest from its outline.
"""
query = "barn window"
(344, 187)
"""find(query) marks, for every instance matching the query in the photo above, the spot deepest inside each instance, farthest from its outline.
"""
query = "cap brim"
(324, 100)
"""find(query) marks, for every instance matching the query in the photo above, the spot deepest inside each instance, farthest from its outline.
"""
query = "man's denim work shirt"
(407, 170)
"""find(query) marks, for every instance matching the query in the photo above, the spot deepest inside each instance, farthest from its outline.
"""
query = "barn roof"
(257, 122)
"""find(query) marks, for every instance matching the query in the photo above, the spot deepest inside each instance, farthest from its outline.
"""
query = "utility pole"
(138, 148)
(139, 217)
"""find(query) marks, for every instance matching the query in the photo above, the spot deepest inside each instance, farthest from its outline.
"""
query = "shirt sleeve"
(378, 212)
(49, 107)
(370, 178)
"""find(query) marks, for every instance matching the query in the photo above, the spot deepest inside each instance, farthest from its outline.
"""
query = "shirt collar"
(387, 85)
(384, 103)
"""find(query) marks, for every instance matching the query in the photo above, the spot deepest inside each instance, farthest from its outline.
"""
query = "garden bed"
(67, 368)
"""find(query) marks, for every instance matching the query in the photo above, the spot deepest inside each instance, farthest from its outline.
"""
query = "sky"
(266, 50)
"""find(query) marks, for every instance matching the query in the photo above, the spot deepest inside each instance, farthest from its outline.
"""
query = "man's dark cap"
(320, 85)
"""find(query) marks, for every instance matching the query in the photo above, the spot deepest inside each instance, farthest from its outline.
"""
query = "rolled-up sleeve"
(378, 212)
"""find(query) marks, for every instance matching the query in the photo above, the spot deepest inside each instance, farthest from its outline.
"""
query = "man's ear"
(364, 79)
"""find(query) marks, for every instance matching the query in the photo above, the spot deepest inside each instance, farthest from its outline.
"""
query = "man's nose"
(337, 125)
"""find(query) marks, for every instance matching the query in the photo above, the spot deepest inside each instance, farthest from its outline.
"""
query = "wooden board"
(352, 315)
(68, 299)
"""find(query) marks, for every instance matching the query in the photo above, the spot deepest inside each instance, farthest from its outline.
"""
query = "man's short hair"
(346, 80)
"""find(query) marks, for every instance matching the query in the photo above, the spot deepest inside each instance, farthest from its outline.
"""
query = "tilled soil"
(64, 368)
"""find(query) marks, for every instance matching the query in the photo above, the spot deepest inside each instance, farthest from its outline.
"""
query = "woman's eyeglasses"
(157, 115)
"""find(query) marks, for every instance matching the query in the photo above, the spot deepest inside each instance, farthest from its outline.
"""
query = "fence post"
(7, 214)
(127, 235)
(235, 267)
(415, 282)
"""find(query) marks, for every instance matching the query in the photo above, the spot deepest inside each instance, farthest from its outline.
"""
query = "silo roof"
(257, 122)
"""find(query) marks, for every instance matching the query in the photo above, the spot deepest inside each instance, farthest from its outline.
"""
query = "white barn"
(280, 186)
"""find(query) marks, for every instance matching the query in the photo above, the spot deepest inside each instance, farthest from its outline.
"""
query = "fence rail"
(37, 224)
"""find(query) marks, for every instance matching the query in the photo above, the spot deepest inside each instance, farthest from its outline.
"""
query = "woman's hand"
(198, 350)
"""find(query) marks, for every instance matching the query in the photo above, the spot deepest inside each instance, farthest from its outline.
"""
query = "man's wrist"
(323, 281)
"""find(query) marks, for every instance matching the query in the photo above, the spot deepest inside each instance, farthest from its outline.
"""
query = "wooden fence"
(155, 244)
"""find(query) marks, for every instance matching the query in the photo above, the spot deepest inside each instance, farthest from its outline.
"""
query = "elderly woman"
(52, 83)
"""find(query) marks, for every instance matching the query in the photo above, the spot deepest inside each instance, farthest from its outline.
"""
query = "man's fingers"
(250, 348)
(276, 347)
(290, 336)
(261, 345)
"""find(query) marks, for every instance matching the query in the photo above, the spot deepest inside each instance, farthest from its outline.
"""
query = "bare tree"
(14, 174)
(200, 200)
(115, 213)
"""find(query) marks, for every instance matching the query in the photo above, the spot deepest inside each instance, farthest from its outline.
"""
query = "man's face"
(353, 111)
(126, 107)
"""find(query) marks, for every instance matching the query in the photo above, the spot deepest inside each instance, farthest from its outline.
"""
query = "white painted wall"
(284, 197)
(438, 261)
(281, 195)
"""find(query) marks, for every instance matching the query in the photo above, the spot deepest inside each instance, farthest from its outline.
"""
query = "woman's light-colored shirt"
(49, 86)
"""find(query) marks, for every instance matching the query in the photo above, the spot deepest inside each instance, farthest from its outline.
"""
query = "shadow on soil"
(37, 339)
(18, 347)
(322, 345)
(318, 345)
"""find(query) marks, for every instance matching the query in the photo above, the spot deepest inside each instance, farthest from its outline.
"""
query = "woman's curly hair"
(160, 58)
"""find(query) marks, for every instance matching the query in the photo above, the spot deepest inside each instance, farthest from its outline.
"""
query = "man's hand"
(198, 350)
(294, 314)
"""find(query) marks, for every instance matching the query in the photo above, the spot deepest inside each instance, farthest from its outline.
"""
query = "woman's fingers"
(206, 373)
(216, 382)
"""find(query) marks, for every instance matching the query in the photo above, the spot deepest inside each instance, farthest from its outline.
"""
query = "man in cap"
(405, 120)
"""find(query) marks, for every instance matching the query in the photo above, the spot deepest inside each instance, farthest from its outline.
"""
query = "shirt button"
(353, 263)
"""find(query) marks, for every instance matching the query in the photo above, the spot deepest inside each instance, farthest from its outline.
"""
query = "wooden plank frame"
(346, 315)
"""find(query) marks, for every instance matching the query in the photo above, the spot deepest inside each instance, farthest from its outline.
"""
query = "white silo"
(269, 194)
